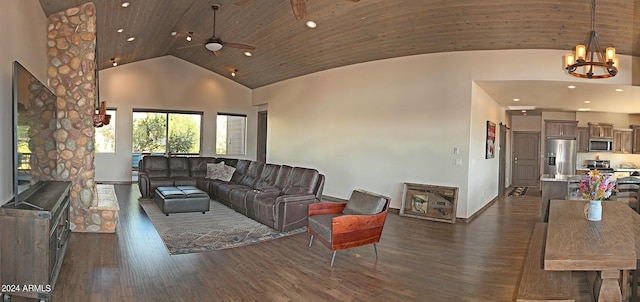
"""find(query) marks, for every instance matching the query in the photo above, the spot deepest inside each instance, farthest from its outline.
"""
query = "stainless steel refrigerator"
(560, 156)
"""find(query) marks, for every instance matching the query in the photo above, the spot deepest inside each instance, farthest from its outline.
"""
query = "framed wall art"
(491, 140)
(438, 203)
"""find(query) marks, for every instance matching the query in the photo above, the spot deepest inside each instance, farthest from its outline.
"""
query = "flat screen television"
(34, 123)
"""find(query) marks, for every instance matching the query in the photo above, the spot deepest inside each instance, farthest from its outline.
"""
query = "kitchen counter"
(556, 177)
(556, 186)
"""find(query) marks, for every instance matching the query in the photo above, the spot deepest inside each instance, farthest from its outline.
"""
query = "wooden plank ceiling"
(348, 32)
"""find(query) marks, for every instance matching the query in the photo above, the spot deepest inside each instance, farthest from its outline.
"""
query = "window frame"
(244, 133)
(166, 129)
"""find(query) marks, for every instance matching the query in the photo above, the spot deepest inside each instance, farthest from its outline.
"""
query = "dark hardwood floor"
(419, 260)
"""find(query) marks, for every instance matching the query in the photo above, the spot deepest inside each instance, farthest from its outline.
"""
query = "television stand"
(34, 240)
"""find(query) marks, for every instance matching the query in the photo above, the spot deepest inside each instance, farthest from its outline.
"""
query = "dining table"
(607, 246)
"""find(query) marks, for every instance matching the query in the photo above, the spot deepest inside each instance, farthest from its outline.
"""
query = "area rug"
(220, 228)
(519, 191)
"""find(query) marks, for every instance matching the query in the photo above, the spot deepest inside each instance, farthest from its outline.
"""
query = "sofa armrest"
(291, 211)
(349, 231)
(307, 198)
(349, 223)
(144, 184)
(322, 208)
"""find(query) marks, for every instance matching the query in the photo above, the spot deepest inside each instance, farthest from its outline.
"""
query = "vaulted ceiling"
(348, 32)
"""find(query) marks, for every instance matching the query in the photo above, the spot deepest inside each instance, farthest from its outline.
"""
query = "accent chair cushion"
(322, 225)
(361, 203)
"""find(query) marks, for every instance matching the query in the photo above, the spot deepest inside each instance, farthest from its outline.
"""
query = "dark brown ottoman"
(181, 199)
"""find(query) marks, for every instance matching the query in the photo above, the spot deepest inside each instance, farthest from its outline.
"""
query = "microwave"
(600, 145)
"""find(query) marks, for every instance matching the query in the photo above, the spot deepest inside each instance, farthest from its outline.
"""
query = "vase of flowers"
(595, 187)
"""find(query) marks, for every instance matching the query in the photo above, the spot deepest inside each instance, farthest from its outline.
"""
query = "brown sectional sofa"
(275, 195)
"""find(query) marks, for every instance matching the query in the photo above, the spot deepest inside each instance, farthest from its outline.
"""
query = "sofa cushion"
(361, 203)
(301, 181)
(179, 167)
(216, 171)
(156, 166)
(198, 166)
(228, 172)
(283, 176)
(268, 176)
(252, 174)
(241, 169)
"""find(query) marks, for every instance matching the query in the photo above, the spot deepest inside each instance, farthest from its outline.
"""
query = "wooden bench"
(536, 284)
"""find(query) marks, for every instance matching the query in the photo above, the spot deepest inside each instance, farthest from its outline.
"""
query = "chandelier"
(597, 64)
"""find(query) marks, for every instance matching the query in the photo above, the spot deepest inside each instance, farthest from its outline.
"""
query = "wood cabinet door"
(636, 140)
(560, 129)
(622, 141)
(583, 139)
(601, 130)
(607, 131)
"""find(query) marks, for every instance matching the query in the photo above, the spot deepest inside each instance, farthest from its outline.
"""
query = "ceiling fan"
(299, 7)
(214, 43)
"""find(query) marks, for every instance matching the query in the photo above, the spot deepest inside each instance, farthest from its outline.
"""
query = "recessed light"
(234, 72)
(120, 30)
(174, 33)
(248, 53)
(524, 111)
(311, 24)
(125, 4)
(571, 87)
(584, 109)
(619, 90)
(131, 39)
(516, 100)
(587, 102)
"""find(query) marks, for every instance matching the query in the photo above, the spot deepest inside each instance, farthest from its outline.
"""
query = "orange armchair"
(355, 223)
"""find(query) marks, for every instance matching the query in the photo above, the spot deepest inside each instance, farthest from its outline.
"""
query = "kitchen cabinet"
(635, 139)
(560, 129)
(601, 131)
(622, 141)
(583, 139)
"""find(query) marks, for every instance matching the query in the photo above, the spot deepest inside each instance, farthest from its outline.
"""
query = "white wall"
(484, 188)
(379, 124)
(24, 36)
(172, 84)
(526, 123)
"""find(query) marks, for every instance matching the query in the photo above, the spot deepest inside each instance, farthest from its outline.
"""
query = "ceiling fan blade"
(299, 8)
(189, 46)
(238, 45)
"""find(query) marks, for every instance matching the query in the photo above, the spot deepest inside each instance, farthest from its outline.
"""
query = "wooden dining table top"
(576, 244)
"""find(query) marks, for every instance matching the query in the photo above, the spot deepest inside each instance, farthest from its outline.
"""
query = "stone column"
(71, 50)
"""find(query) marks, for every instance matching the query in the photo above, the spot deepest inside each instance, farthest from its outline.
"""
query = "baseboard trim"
(115, 182)
(478, 212)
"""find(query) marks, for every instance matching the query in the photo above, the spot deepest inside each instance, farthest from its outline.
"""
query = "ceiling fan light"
(213, 46)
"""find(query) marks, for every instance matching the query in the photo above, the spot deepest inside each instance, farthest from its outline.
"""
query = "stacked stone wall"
(71, 50)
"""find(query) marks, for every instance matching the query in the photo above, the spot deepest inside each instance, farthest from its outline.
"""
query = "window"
(106, 135)
(162, 132)
(230, 134)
